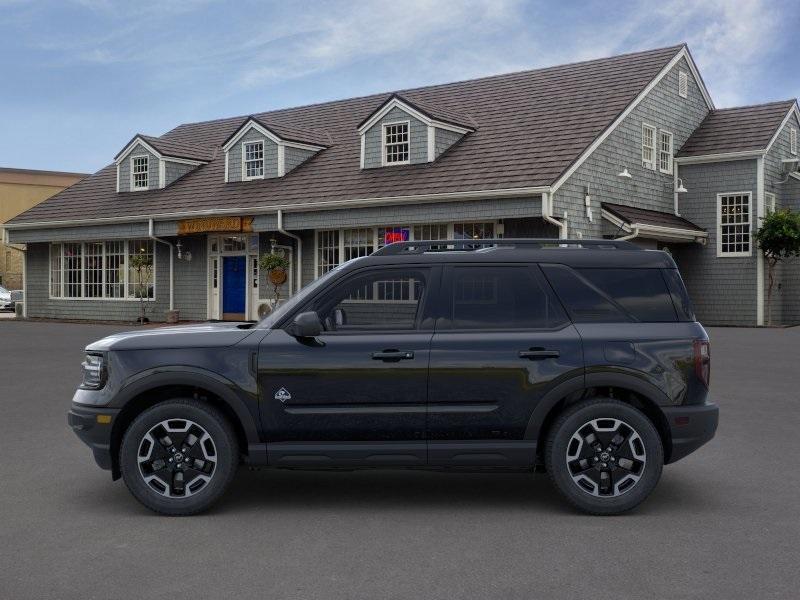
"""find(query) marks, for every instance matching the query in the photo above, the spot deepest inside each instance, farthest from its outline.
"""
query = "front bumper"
(93, 426)
(690, 427)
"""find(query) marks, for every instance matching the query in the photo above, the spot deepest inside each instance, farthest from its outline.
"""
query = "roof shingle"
(530, 126)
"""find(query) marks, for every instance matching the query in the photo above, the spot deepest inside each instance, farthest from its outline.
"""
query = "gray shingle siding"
(67, 234)
(418, 138)
(723, 289)
(174, 171)
(191, 279)
(125, 169)
(786, 289)
(649, 189)
(270, 156)
(294, 157)
(443, 140)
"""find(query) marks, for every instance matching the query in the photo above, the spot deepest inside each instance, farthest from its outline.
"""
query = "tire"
(188, 437)
(576, 463)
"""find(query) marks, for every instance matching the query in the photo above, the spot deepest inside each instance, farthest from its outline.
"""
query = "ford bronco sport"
(579, 357)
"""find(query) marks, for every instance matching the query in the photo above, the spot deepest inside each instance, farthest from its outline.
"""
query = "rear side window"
(680, 298)
(613, 295)
(502, 298)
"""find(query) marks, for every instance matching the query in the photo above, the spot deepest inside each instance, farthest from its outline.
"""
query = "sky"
(80, 78)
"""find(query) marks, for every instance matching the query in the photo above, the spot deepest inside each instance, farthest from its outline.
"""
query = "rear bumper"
(690, 427)
(94, 432)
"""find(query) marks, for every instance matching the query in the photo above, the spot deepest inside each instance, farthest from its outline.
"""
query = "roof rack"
(469, 245)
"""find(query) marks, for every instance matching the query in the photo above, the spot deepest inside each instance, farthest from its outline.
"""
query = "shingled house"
(629, 146)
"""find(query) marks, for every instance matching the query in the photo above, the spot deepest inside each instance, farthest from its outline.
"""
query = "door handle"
(393, 355)
(538, 354)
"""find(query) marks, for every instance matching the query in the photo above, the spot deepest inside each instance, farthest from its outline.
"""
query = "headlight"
(94, 372)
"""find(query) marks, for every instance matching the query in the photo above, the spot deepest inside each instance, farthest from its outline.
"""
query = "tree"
(779, 238)
(142, 266)
(275, 265)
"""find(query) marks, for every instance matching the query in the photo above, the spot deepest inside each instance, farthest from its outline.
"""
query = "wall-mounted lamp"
(680, 189)
(187, 256)
(624, 173)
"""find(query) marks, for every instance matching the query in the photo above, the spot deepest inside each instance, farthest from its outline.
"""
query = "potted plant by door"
(275, 265)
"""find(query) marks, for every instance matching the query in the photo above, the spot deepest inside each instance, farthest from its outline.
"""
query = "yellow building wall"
(20, 190)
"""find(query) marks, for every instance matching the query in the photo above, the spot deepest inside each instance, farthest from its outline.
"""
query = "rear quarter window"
(613, 295)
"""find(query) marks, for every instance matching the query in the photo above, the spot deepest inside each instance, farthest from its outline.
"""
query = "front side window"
(733, 234)
(396, 143)
(140, 166)
(665, 152)
(385, 299)
(501, 298)
(102, 270)
(648, 146)
(253, 160)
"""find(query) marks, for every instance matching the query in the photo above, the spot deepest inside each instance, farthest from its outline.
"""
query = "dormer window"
(140, 177)
(253, 160)
(396, 143)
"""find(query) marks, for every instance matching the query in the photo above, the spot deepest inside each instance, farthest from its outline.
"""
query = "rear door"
(501, 343)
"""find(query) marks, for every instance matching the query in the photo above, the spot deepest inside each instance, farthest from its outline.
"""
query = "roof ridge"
(437, 85)
(757, 105)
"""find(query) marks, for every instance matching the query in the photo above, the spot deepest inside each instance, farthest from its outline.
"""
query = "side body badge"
(283, 395)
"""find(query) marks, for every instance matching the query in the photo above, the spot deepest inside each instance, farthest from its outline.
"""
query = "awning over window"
(652, 224)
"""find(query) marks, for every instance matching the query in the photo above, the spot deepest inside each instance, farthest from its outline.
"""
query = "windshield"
(3, 290)
(299, 298)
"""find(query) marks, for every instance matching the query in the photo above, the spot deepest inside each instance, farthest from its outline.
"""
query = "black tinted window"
(379, 300)
(642, 292)
(585, 302)
(680, 298)
(501, 297)
(613, 295)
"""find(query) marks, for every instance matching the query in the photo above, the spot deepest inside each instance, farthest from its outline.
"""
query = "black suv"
(582, 357)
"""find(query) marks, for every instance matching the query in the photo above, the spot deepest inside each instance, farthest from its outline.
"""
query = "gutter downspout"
(547, 215)
(152, 236)
(299, 248)
(634, 233)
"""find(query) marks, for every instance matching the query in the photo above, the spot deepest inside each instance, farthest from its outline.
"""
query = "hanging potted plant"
(275, 265)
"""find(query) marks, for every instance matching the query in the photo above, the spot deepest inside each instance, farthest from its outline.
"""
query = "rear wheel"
(178, 457)
(604, 456)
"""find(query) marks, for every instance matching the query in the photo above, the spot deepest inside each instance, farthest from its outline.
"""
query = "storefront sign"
(395, 234)
(209, 224)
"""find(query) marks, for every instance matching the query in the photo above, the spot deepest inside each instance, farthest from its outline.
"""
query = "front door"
(234, 284)
(363, 380)
(502, 342)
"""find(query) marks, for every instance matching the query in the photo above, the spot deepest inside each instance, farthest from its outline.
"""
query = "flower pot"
(277, 276)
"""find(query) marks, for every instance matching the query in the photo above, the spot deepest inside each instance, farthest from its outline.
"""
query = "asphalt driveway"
(723, 523)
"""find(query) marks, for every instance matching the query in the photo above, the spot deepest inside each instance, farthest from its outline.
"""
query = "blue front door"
(233, 285)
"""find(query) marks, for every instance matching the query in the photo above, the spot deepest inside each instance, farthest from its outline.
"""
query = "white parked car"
(5, 299)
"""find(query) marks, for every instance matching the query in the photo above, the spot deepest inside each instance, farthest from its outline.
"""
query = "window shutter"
(683, 84)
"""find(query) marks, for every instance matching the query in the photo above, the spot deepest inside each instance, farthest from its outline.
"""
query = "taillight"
(702, 361)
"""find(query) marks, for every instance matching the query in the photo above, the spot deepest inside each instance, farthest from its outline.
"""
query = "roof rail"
(420, 247)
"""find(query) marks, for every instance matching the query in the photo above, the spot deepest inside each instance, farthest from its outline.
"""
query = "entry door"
(234, 284)
(503, 342)
(364, 379)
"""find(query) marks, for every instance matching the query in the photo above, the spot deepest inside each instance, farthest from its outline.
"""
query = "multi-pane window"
(648, 146)
(253, 160)
(792, 140)
(327, 250)
(734, 224)
(665, 152)
(683, 84)
(358, 242)
(473, 231)
(395, 143)
(140, 172)
(100, 270)
(770, 201)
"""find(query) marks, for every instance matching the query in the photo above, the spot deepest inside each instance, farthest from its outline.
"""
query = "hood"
(5, 296)
(205, 335)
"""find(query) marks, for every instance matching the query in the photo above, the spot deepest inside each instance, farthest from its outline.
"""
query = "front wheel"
(604, 456)
(178, 457)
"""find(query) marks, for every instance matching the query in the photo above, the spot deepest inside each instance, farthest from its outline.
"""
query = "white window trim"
(102, 298)
(133, 188)
(654, 147)
(450, 235)
(671, 167)
(793, 140)
(407, 122)
(720, 253)
(263, 160)
(770, 201)
(683, 82)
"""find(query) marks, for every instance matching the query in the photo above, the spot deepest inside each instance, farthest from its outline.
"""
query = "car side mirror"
(305, 325)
